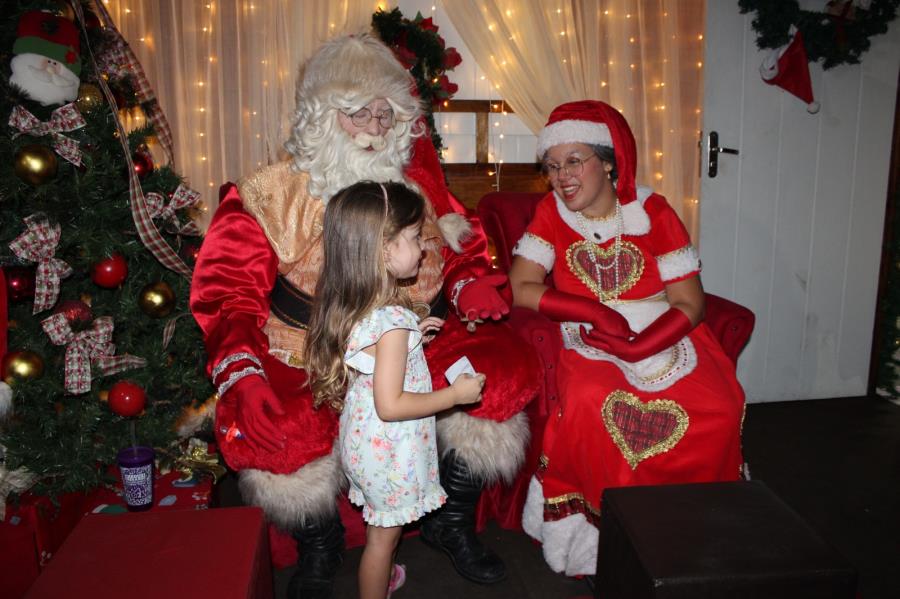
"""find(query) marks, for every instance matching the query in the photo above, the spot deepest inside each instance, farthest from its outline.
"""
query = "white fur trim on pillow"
(678, 263)
(456, 229)
(537, 250)
(492, 450)
(569, 545)
(289, 500)
(565, 132)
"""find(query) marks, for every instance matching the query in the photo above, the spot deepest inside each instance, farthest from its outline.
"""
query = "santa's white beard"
(44, 80)
(355, 164)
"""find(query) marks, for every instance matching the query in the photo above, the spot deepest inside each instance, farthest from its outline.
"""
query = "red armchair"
(504, 216)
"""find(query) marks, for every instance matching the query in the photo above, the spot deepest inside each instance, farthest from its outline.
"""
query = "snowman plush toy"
(47, 62)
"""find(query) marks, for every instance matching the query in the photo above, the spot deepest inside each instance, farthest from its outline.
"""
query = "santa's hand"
(253, 396)
(481, 298)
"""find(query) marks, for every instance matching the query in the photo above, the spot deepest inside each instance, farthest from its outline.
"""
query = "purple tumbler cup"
(136, 468)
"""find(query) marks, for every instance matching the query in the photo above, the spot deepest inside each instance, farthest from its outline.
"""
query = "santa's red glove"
(561, 306)
(253, 395)
(662, 333)
(481, 298)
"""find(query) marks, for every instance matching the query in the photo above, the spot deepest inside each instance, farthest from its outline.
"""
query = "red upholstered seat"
(504, 216)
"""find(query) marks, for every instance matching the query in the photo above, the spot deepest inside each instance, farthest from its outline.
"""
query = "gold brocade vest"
(279, 199)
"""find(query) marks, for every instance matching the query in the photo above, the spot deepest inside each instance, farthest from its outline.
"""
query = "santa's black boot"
(321, 547)
(452, 528)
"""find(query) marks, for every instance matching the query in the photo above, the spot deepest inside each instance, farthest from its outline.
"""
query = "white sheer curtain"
(642, 56)
(224, 73)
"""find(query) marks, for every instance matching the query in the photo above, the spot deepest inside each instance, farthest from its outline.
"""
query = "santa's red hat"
(788, 68)
(49, 35)
(595, 123)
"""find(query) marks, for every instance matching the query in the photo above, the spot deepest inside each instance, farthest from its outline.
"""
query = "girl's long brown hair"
(359, 221)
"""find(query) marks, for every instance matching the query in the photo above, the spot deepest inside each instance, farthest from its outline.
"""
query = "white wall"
(792, 227)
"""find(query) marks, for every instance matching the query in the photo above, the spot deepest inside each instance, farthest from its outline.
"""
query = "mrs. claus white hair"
(346, 74)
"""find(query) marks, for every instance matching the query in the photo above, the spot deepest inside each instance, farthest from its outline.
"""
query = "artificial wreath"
(417, 45)
(840, 34)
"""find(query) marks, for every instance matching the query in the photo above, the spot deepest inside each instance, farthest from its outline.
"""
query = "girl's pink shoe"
(398, 577)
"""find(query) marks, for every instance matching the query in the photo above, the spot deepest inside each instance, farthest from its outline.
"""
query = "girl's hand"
(429, 327)
(468, 388)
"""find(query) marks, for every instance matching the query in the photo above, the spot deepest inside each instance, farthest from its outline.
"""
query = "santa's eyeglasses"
(361, 117)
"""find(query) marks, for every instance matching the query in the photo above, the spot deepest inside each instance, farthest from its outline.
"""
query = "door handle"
(712, 153)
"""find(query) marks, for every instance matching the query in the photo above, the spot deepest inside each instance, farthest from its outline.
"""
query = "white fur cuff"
(537, 250)
(679, 263)
(492, 450)
(456, 229)
(289, 500)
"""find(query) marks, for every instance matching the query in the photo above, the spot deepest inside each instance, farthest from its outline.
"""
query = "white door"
(792, 226)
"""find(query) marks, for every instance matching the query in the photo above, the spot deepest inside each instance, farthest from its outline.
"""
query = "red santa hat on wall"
(595, 123)
(788, 68)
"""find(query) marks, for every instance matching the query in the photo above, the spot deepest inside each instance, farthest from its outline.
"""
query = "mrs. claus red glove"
(561, 306)
(662, 333)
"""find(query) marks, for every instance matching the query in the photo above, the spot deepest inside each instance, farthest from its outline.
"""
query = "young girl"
(365, 358)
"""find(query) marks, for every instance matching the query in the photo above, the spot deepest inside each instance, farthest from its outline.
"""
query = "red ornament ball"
(189, 253)
(143, 164)
(110, 272)
(75, 311)
(126, 399)
(19, 282)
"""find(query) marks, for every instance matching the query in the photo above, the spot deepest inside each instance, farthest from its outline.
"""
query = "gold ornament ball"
(22, 365)
(35, 164)
(89, 97)
(157, 299)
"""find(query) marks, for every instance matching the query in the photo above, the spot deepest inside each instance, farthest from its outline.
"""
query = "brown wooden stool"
(732, 540)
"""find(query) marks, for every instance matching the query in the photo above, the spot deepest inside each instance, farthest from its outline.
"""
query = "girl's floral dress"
(392, 466)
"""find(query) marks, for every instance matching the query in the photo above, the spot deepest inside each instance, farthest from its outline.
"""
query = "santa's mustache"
(48, 74)
(364, 140)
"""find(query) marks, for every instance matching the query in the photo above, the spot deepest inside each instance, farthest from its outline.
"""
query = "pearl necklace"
(617, 245)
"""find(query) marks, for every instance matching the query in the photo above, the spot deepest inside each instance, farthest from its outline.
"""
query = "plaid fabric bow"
(183, 197)
(38, 244)
(65, 118)
(91, 346)
(118, 60)
(146, 229)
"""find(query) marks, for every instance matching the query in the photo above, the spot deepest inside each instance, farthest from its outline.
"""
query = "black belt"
(294, 307)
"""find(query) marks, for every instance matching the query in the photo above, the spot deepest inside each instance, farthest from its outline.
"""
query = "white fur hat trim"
(565, 132)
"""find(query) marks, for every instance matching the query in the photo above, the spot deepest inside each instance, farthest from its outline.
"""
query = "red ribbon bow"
(63, 119)
(90, 346)
(184, 197)
(38, 244)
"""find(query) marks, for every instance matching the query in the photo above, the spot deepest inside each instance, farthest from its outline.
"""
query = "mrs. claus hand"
(481, 298)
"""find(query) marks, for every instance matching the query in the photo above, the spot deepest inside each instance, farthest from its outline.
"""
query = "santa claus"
(356, 119)
(46, 64)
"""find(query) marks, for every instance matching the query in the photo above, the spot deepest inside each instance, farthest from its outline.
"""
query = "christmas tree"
(95, 249)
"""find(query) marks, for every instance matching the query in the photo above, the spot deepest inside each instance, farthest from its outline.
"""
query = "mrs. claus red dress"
(672, 418)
